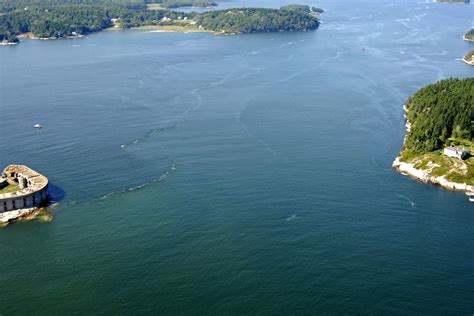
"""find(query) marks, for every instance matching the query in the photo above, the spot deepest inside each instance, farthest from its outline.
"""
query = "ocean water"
(198, 174)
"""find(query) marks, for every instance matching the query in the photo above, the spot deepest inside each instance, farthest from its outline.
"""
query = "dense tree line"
(12, 5)
(68, 20)
(438, 112)
(249, 20)
(301, 8)
(79, 17)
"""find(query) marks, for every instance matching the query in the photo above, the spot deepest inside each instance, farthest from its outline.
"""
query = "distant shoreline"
(169, 28)
(467, 39)
(471, 63)
(161, 28)
(9, 43)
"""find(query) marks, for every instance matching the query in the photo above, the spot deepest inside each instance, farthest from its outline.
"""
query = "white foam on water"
(162, 177)
(404, 197)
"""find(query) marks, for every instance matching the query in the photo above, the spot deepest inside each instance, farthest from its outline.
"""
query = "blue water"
(240, 174)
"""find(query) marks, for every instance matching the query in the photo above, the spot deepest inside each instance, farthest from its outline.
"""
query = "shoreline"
(407, 168)
(470, 63)
(25, 213)
(166, 28)
(160, 28)
(467, 39)
(9, 43)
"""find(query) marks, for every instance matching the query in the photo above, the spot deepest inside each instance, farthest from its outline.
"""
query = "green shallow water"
(198, 174)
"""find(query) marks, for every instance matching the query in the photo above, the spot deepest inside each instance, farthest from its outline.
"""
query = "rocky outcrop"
(424, 175)
(7, 217)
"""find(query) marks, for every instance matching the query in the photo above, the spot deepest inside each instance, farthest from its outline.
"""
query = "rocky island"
(469, 58)
(23, 191)
(440, 138)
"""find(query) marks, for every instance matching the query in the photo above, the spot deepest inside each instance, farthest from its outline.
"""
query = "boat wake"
(258, 139)
(160, 178)
(291, 43)
(149, 134)
(318, 66)
(405, 198)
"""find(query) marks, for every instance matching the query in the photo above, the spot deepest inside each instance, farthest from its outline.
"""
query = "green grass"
(407, 156)
(455, 170)
(154, 6)
(10, 188)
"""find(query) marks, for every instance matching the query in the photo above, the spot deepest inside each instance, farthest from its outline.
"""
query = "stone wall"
(33, 193)
(35, 199)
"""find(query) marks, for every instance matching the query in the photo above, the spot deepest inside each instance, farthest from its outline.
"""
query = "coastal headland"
(469, 58)
(439, 116)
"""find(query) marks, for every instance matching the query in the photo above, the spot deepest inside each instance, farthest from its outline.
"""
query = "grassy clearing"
(10, 188)
(437, 164)
(154, 6)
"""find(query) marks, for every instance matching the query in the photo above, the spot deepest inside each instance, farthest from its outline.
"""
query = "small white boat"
(37, 126)
(471, 196)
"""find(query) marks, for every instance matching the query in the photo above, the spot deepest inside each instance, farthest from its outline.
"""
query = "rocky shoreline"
(409, 169)
(467, 61)
(423, 175)
(467, 39)
(8, 217)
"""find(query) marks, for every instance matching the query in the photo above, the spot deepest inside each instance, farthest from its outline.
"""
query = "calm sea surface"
(240, 174)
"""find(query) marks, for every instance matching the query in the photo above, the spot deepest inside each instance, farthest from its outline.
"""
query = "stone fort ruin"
(22, 188)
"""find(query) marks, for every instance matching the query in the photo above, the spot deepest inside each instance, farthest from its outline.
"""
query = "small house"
(455, 152)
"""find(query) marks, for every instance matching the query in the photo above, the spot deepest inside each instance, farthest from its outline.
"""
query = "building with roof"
(456, 152)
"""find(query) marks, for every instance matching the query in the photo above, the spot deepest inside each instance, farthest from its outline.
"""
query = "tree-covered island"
(469, 36)
(438, 116)
(469, 58)
(50, 19)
